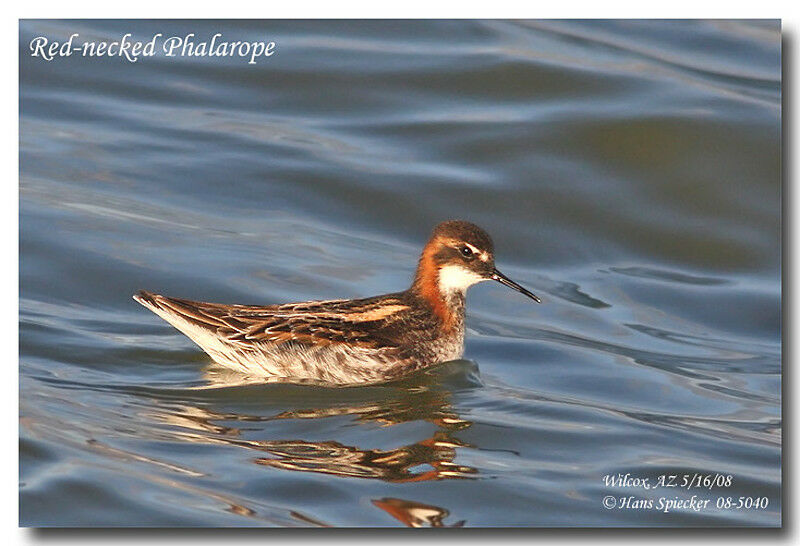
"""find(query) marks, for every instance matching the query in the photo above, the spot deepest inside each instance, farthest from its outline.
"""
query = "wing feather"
(355, 322)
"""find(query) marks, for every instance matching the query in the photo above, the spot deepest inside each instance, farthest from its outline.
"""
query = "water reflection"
(433, 457)
(429, 459)
(415, 514)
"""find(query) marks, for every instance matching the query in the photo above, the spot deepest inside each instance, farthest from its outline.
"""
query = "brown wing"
(363, 323)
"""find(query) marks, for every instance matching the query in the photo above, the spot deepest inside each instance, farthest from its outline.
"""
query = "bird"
(349, 342)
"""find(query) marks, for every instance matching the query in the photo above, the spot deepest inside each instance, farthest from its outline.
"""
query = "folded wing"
(359, 323)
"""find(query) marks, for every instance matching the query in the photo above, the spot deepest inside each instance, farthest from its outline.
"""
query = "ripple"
(668, 276)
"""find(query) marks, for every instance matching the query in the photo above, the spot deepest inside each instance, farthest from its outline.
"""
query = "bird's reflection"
(415, 514)
(431, 458)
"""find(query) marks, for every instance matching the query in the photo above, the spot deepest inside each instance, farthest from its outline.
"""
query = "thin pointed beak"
(502, 279)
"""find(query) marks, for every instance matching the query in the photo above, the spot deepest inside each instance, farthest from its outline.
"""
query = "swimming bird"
(349, 342)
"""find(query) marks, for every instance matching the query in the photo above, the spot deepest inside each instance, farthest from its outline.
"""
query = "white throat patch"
(454, 278)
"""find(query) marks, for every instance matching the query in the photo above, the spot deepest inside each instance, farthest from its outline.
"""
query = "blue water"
(628, 171)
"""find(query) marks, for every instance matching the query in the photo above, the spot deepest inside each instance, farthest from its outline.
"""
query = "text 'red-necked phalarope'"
(349, 342)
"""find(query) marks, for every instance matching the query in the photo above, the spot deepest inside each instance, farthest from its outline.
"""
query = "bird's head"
(458, 255)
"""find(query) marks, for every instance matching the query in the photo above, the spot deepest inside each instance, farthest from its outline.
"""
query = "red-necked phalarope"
(349, 342)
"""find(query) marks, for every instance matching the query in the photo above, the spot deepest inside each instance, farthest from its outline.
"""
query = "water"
(629, 173)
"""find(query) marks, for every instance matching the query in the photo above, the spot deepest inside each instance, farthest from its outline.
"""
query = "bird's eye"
(466, 252)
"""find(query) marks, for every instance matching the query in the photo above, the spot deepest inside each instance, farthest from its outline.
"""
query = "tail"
(184, 315)
(159, 305)
(208, 325)
(146, 298)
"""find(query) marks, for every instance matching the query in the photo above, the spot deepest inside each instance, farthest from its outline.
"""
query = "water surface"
(629, 173)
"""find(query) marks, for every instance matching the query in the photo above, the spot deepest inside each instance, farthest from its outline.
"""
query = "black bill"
(502, 279)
